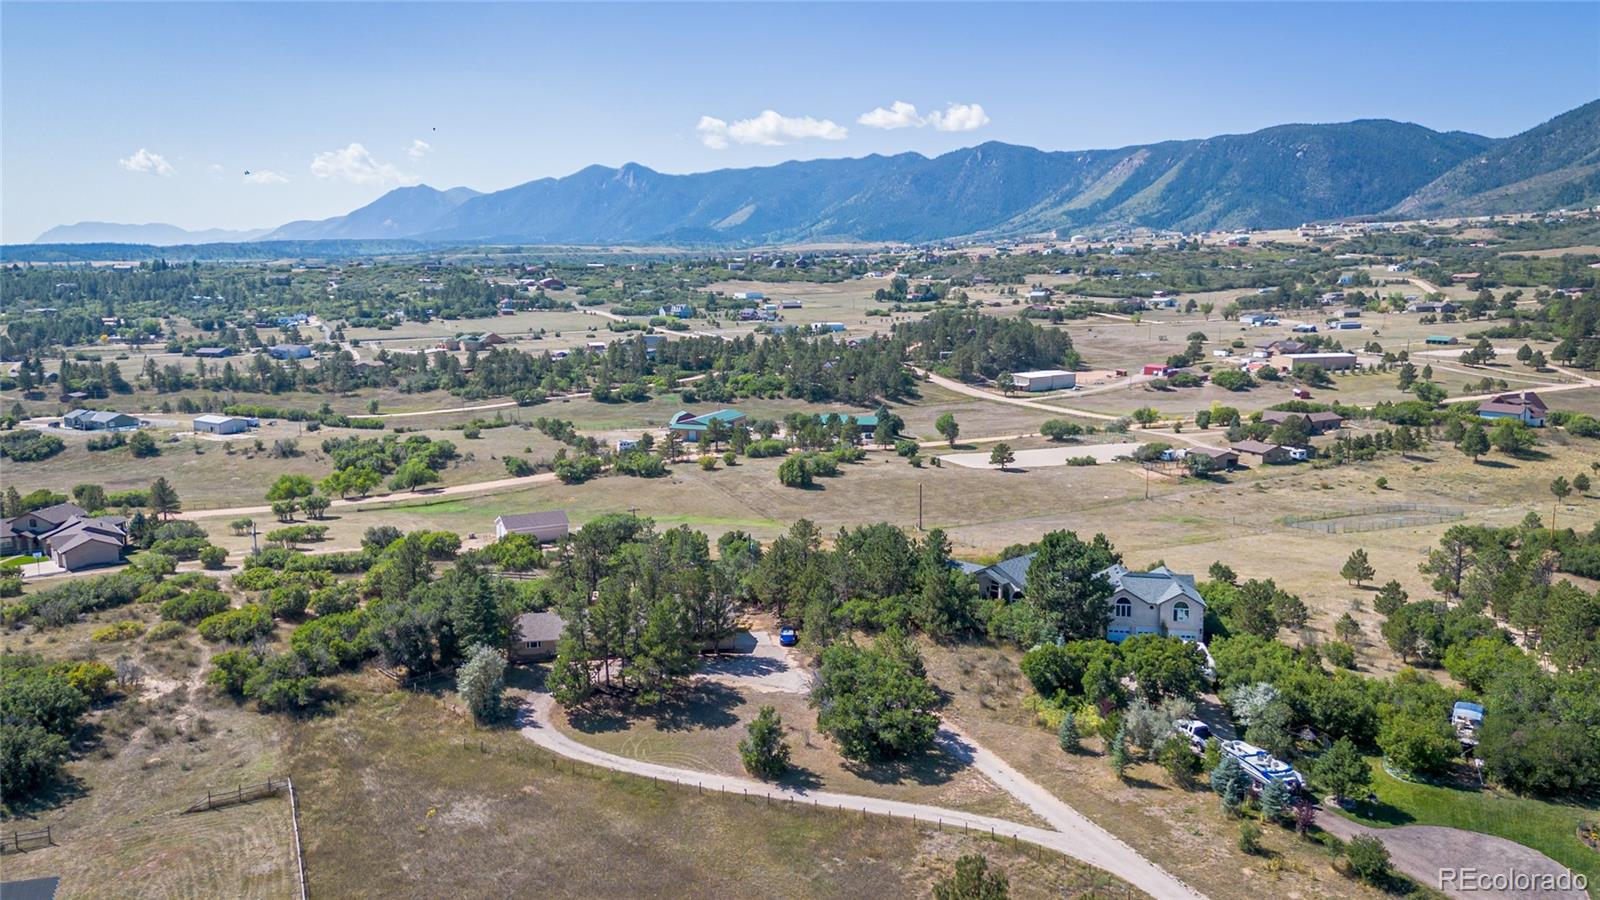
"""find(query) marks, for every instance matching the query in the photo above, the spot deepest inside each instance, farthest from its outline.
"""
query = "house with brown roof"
(1222, 456)
(1523, 405)
(1316, 422)
(534, 636)
(1271, 454)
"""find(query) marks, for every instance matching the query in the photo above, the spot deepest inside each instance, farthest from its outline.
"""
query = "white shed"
(215, 424)
(1044, 380)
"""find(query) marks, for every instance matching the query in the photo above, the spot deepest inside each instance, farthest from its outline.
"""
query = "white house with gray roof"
(1159, 601)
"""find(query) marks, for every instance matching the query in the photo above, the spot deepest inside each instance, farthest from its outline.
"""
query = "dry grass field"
(702, 731)
(143, 758)
(400, 798)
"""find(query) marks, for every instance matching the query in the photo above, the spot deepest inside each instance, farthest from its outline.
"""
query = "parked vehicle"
(787, 636)
(1195, 730)
(1263, 767)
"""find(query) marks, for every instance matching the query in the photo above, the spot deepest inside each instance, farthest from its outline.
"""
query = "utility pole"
(255, 549)
(919, 506)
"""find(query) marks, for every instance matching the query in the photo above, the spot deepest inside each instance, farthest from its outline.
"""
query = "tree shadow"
(800, 780)
(1373, 810)
(596, 719)
(64, 789)
(1494, 464)
(704, 705)
(928, 768)
(1134, 781)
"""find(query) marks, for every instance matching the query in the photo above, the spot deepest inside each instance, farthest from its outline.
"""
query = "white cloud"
(147, 163)
(419, 148)
(959, 117)
(265, 176)
(354, 164)
(900, 114)
(713, 132)
(769, 129)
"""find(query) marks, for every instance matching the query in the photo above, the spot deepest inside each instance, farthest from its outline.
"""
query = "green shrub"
(125, 630)
(213, 557)
(165, 631)
(237, 626)
(196, 605)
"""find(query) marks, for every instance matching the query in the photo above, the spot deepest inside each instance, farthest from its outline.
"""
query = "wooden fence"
(19, 841)
(244, 793)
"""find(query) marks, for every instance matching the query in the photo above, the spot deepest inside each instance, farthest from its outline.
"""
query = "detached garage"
(214, 424)
(1044, 380)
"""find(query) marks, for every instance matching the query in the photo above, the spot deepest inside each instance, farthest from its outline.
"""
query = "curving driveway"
(1420, 851)
(1075, 837)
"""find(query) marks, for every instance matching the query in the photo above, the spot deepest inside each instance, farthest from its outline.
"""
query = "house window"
(1123, 609)
(533, 645)
(1180, 611)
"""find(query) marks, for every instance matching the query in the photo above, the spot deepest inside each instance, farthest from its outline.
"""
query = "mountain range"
(154, 233)
(1276, 177)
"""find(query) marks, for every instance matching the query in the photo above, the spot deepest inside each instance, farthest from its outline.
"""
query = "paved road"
(1077, 837)
(1421, 850)
(475, 487)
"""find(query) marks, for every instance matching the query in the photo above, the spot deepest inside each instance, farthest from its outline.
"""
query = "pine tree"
(763, 750)
(1275, 800)
(1118, 754)
(1474, 442)
(1067, 735)
(1230, 782)
(1390, 597)
(163, 499)
(1357, 569)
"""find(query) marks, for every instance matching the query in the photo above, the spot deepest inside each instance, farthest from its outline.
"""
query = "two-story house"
(1160, 601)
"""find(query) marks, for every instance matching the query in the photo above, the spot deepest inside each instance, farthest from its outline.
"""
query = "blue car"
(787, 636)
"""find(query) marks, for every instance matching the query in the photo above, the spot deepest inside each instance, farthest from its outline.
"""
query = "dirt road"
(476, 487)
(967, 389)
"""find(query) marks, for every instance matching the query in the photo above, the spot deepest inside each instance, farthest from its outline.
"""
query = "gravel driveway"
(759, 663)
(1420, 851)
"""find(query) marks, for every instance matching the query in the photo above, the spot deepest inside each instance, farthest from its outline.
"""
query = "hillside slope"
(1274, 177)
(1553, 165)
(401, 212)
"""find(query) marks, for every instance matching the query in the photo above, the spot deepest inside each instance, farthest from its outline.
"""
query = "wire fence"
(1374, 518)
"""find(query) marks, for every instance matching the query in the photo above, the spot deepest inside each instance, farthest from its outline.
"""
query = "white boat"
(1263, 767)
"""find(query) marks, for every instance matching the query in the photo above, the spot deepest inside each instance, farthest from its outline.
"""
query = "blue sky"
(135, 112)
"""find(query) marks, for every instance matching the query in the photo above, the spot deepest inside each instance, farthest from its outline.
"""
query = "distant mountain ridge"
(1550, 166)
(399, 213)
(1276, 177)
(157, 234)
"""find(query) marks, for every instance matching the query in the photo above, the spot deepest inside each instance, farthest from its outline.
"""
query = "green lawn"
(15, 562)
(1550, 828)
